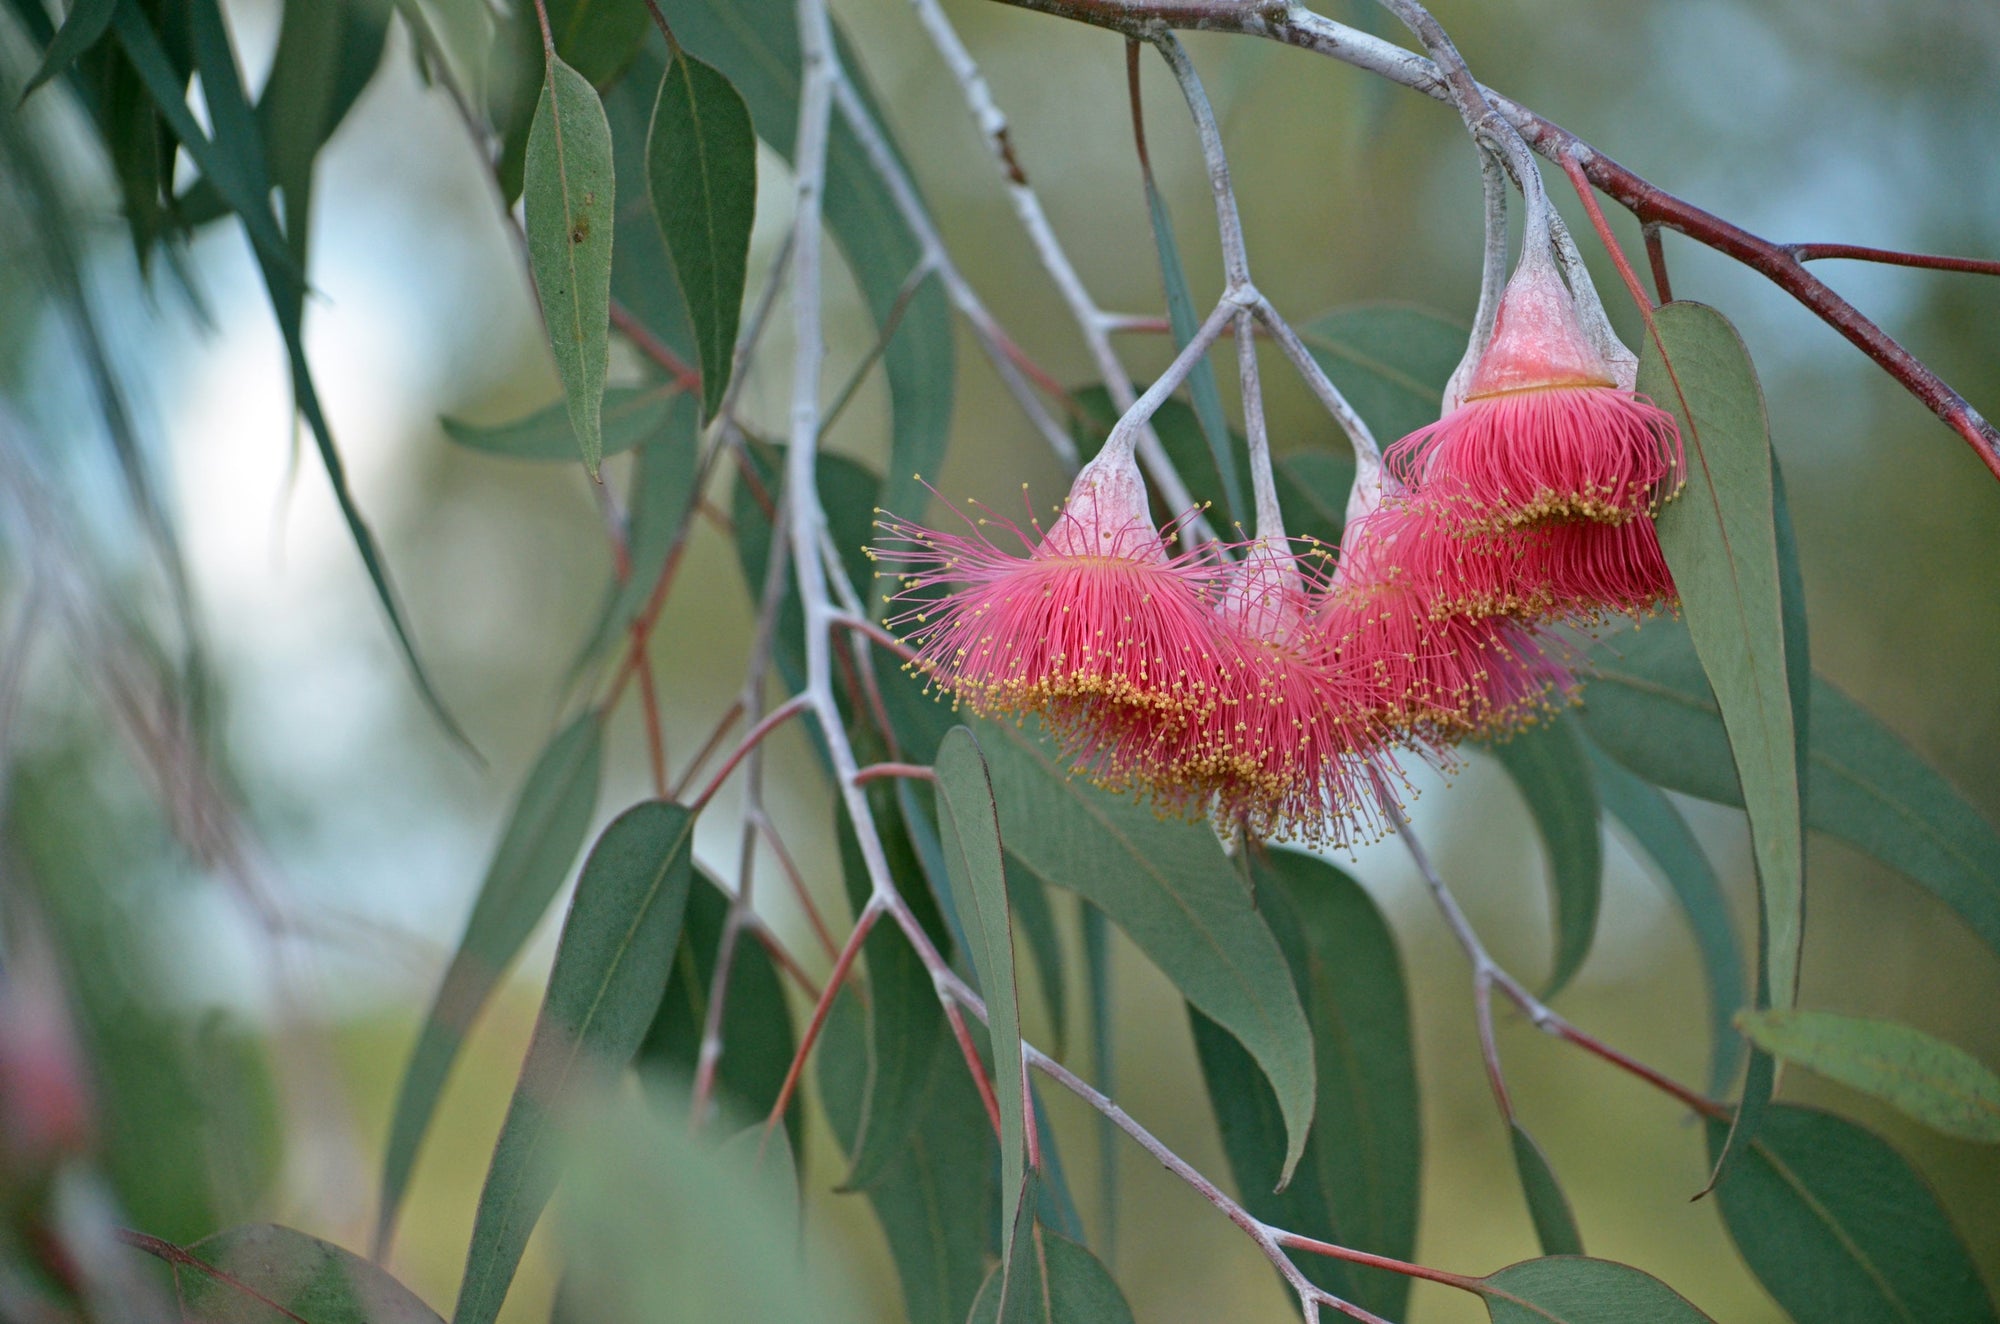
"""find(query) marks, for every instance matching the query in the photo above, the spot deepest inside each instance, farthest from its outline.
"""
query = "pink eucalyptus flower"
(1544, 432)
(1095, 620)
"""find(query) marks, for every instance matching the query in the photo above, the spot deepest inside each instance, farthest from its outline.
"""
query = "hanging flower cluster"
(1276, 690)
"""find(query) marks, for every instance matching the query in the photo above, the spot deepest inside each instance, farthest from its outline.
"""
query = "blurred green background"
(291, 998)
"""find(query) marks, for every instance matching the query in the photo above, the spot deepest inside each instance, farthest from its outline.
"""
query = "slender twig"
(1359, 435)
(1656, 256)
(1976, 266)
(685, 376)
(1487, 970)
(771, 721)
(1293, 25)
(882, 771)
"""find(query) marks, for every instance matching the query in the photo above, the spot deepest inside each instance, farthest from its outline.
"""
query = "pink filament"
(1528, 456)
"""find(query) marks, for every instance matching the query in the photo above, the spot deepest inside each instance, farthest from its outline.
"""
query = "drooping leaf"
(1391, 361)
(1038, 927)
(612, 962)
(571, 203)
(1658, 830)
(1570, 1289)
(1097, 975)
(701, 170)
(599, 39)
(643, 282)
(1053, 1281)
(235, 166)
(1652, 710)
(969, 833)
(1183, 321)
(938, 1200)
(1720, 541)
(632, 414)
(1939, 1084)
(661, 1222)
(1840, 1229)
(294, 1277)
(757, 1036)
(540, 840)
(82, 28)
(1548, 766)
(1555, 1225)
(1358, 1183)
(1170, 888)
(754, 43)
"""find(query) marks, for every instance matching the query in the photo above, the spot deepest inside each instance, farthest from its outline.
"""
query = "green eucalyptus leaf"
(571, 204)
(938, 1198)
(1548, 1207)
(270, 1275)
(1358, 1183)
(632, 415)
(1171, 889)
(659, 507)
(1037, 921)
(1052, 1281)
(701, 171)
(613, 958)
(969, 835)
(1939, 1084)
(82, 28)
(1663, 836)
(1840, 1229)
(543, 833)
(1720, 540)
(1548, 766)
(1570, 1289)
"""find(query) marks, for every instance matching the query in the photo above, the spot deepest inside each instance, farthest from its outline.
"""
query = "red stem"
(869, 915)
(643, 340)
(970, 1052)
(182, 1258)
(1404, 1267)
(1976, 266)
(882, 771)
(777, 717)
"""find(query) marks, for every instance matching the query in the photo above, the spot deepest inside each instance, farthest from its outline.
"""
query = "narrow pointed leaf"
(295, 1278)
(1055, 1281)
(1720, 540)
(1571, 1289)
(82, 28)
(1548, 766)
(938, 1200)
(969, 833)
(612, 962)
(1184, 322)
(1037, 919)
(632, 415)
(755, 44)
(1097, 976)
(1171, 889)
(1658, 830)
(701, 170)
(1555, 1225)
(543, 833)
(1939, 1084)
(1359, 1182)
(1651, 709)
(1841, 1230)
(571, 203)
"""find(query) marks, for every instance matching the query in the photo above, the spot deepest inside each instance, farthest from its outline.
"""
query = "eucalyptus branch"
(1091, 321)
(1359, 434)
(1293, 25)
